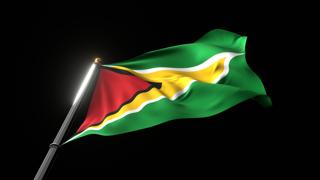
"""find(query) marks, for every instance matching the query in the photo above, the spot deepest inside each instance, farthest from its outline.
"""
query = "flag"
(193, 80)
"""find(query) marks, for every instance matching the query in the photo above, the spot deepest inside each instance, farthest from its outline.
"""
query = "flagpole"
(53, 147)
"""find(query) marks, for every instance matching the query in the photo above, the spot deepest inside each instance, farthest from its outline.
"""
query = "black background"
(57, 45)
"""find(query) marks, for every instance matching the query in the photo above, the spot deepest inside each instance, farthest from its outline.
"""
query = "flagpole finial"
(97, 60)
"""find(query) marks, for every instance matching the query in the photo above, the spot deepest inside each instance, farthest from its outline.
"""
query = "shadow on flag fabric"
(193, 80)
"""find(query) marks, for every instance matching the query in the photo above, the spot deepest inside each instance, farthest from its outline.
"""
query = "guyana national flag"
(193, 80)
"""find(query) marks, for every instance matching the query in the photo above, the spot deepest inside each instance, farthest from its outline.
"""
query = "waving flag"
(193, 80)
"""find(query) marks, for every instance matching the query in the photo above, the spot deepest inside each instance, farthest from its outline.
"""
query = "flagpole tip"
(97, 60)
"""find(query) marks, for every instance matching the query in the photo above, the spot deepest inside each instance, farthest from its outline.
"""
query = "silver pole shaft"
(53, 147)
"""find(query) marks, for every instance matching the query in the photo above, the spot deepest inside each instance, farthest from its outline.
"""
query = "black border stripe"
(120, 71)
(152, 85)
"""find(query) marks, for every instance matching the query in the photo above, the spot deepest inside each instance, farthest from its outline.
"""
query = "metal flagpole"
(53, 147)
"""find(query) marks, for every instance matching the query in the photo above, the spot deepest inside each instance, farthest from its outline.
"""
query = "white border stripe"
(121, 116)
(228, 55)
(226, 67)
(179, 93)
(128, 112)
(205, 64)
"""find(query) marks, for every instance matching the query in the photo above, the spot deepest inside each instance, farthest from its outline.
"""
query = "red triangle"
(113, 90)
